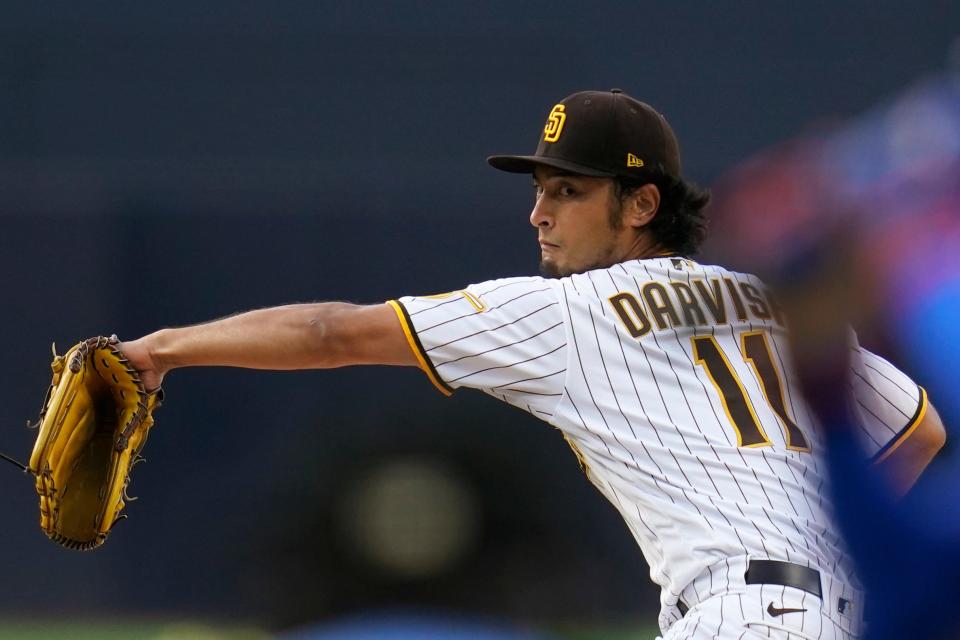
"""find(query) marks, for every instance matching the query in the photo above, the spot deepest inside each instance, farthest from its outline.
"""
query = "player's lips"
(544, 245)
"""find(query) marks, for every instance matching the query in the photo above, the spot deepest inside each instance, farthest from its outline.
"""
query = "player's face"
(579, 223)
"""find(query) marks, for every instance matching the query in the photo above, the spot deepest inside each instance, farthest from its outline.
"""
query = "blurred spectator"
(860, 224)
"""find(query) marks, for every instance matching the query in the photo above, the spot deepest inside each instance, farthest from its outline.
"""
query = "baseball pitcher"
(671, 380)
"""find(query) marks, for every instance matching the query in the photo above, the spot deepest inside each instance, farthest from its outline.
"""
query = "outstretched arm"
(299, 336)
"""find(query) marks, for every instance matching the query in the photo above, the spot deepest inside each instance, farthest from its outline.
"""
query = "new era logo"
(634, 161)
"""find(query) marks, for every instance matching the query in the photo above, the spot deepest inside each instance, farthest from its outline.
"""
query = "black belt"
(785, 574)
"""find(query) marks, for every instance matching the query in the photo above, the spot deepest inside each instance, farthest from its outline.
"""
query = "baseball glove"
(93, 425)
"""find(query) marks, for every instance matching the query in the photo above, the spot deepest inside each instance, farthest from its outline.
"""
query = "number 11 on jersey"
(755, 350)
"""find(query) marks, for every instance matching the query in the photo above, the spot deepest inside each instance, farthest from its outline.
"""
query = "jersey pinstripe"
(886, 401)
(673, 382)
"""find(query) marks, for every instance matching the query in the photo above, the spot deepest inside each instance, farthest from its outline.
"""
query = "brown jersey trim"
(905, 433)
(417, 347)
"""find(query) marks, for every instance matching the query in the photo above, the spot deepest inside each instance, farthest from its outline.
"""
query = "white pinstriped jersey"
(673, 383)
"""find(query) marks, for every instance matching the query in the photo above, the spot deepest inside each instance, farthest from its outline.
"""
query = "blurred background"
(164, 164)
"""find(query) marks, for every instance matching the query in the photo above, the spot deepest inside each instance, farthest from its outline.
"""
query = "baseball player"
(671, 380)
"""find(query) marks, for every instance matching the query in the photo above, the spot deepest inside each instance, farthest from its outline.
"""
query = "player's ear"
(641, 205)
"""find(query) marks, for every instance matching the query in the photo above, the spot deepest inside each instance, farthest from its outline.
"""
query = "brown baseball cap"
(604, 134)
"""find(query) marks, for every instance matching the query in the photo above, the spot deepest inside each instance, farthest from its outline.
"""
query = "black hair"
(680, 225)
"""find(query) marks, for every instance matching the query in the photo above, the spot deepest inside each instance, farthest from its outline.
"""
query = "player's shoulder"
(511, 294)
(514, 296)
(501, 289)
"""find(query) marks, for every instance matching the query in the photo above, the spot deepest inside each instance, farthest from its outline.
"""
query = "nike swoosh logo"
(772, 610)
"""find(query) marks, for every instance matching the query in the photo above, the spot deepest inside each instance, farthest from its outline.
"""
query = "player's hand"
(141, 358)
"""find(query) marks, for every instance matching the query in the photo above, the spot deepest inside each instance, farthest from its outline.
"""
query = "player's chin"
(550, 269)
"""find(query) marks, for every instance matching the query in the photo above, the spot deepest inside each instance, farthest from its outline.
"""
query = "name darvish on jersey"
(673, 382)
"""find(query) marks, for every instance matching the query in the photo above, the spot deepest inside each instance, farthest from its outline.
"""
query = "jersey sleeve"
(887, 402)
(505, 337)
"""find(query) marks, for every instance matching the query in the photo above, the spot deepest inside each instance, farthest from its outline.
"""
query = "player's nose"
(540, 215)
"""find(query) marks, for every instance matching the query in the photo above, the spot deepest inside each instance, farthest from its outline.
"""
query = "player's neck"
(645, 246)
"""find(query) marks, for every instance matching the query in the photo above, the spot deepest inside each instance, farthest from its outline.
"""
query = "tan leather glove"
(92, 428)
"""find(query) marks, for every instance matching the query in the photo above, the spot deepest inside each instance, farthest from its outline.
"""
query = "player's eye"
(567, 191)
(537, 191)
